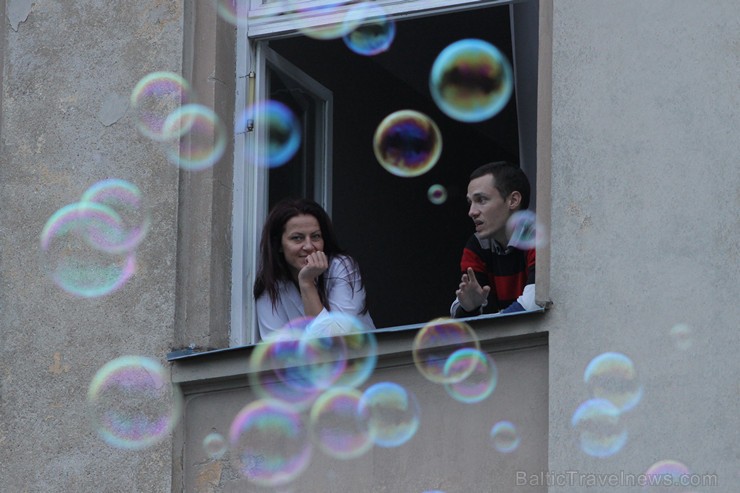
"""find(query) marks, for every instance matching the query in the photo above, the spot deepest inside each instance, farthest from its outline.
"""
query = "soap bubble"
(336, 426)
(324, 357)
(436, 342)
(375, 35)
(612, 376)
(525, 231)
(277, 370)
(197, 137)
(270, 443)
(669, 476)
(359, 346)
(682, 336)
(282, 131)
(504, 437)
(599, 428)
(437, 194)
(127, 201)
(407, 143)
(392, 414)
(479, 383)
(471, 80)
(154, 98)
(214, 445)
(132, 403)
(71, 252)
(328, 21)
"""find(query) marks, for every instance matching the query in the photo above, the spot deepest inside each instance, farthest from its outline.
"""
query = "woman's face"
(301, 237)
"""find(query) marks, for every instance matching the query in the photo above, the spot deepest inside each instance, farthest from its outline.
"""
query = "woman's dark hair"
(273, 268)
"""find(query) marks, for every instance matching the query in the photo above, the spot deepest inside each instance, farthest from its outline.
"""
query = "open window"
(407, 246)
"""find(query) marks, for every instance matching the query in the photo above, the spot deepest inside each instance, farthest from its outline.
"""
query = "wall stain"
(57, 368)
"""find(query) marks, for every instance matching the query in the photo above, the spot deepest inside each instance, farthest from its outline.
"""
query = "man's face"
(488, 210)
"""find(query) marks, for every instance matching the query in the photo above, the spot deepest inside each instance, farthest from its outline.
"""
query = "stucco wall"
(69, 68)
(645, 226)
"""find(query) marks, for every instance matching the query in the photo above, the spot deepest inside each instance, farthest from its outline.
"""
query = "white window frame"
(250, 185)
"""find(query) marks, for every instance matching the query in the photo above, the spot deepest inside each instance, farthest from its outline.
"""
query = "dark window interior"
(408, 248)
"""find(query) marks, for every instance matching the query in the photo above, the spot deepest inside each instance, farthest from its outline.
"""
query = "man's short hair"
(507, 178)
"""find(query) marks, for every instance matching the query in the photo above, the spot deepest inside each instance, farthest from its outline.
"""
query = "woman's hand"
(316, 264)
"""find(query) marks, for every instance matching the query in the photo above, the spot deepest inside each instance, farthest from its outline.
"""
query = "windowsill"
(504, 331)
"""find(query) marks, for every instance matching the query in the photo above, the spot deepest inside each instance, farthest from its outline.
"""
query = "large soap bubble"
(407, 143)
(132, 403)
(471, 80)
(270, 443)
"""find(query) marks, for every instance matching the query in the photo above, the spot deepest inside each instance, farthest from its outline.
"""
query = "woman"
(303, 271)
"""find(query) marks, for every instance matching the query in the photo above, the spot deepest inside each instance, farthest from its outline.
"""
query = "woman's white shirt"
(343, 291)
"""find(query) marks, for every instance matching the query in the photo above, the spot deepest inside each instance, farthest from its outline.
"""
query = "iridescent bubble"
(270, 443)
(198, 137)
(277, 370)
(504, 437)
(525, 231)
(668, 476)
(282, 131)
(391, 412)
(612, 376)
(358, 345)
(132, 402)
(154, 98)
(329, 21)
(682, 336)
(407, 143)
(71, 252)
(479, 383)
(325, 359)
(233, 11)
(599, 428)
(375, 35)
(127, 201)
(437, 194)
(362, 356)
(471, 80)
(436, 342)
(214, 445)
(336, 426)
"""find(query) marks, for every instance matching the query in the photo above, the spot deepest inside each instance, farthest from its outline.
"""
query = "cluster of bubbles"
(615, 389)
(470, 81)
(193, 135)
(308, 378)
(132, 403)
(88, 248)
(447, 352)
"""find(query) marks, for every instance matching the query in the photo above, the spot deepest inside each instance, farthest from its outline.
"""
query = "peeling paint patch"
(18, 11)
(113, 108)
(57, 367)
(208, 478)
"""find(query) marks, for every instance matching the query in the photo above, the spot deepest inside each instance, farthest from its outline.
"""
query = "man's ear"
(514, 200)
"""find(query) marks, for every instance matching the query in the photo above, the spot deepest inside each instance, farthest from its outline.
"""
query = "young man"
(496, 276)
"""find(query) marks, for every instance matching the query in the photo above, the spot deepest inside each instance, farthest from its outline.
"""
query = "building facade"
(624, 117)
